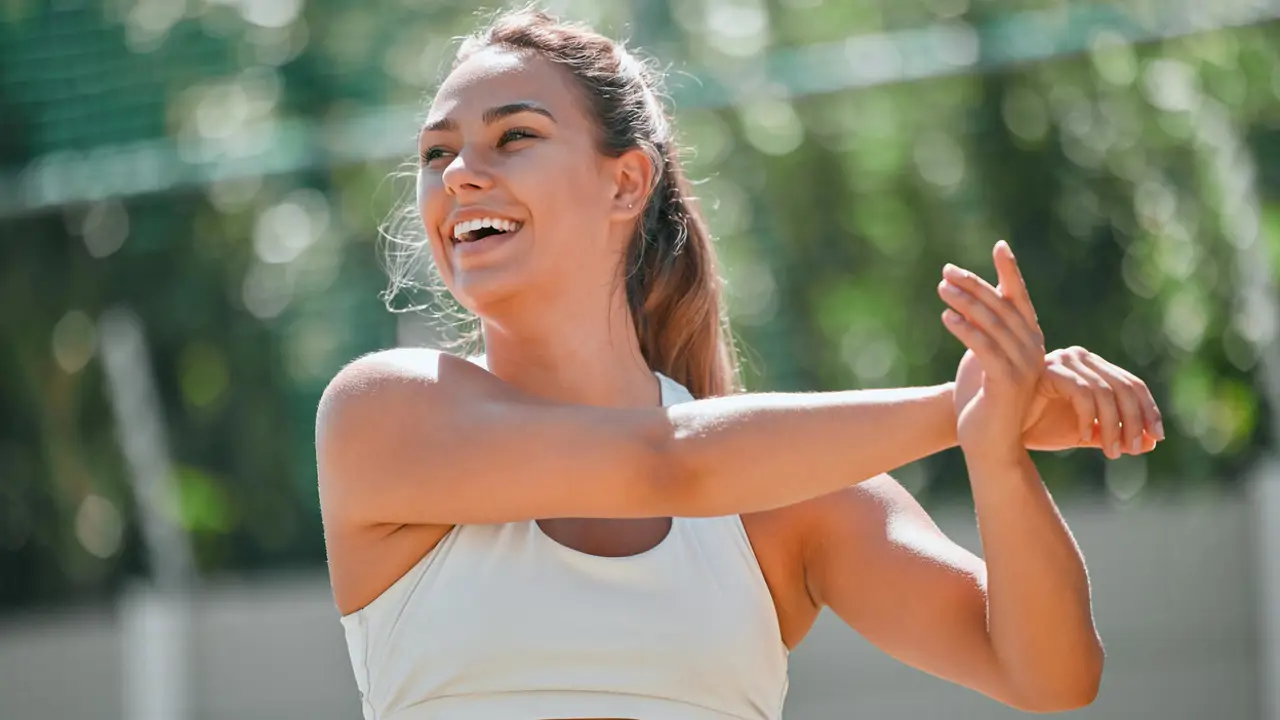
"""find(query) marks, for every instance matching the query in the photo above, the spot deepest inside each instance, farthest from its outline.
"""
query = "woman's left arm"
(1017, 627)
(1039, 611)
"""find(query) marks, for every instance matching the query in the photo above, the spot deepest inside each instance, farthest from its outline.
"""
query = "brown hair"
(672, 282)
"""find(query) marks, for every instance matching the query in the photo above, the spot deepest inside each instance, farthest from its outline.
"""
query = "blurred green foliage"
(221, 168)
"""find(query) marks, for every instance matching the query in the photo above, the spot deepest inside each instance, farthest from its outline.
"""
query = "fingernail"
(1115, 449)
(1159, 430)
(1136, 446)
(949, 289)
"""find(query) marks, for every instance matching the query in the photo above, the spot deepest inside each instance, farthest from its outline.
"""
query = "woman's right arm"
(413, 436)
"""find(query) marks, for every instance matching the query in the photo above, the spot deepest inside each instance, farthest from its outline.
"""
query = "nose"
(466, 174)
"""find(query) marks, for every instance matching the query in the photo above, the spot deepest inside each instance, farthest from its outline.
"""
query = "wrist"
(992, 453)
(950, 416)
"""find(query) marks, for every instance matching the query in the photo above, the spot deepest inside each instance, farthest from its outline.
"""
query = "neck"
(584, 353)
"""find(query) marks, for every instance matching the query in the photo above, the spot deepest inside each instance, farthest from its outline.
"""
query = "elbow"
(673, 484)
(1073, 687)
(1077, 697)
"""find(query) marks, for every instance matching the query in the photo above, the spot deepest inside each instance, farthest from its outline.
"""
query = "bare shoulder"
(377, 407)
(397, 369)
(369, 376)
(363, 400)
(377, 388)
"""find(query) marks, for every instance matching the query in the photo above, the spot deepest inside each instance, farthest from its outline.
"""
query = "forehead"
(497, 76)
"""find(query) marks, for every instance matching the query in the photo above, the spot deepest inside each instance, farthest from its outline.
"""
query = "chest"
(535, 610)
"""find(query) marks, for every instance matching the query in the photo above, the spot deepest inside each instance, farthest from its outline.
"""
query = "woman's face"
(512, 190)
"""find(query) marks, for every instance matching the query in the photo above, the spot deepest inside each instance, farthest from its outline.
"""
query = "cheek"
(565, 194)
(432, 208)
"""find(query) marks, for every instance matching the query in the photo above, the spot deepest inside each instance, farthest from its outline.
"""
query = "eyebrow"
(491, 116)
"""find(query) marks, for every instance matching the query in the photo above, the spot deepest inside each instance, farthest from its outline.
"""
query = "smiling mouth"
(470, 231)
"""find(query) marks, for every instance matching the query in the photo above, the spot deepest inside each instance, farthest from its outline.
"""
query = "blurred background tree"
(222, 167)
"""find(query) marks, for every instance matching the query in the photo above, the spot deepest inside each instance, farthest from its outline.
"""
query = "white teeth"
(461, 229)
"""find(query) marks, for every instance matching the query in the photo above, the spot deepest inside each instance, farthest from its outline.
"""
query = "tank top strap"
(673, 393)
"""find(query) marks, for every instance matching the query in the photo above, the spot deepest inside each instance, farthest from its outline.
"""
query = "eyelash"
(432, 154)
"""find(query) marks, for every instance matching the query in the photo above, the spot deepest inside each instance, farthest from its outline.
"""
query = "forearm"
(1040, 617)
(760, 451)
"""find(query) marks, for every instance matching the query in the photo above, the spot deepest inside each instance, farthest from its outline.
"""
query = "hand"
(1081, 400)
(1002, 333)
(1085, 401)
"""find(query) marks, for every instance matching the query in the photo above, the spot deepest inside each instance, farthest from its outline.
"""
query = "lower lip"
(485, 244)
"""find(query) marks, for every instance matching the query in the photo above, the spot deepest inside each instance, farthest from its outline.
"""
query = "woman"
(588, 521)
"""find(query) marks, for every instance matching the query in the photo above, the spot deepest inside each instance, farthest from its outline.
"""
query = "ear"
(633, 175)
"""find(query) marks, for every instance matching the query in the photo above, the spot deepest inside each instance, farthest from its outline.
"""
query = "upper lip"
(473, 213)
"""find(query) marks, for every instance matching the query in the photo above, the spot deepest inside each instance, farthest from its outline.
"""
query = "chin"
(486, 283)
(490, 292)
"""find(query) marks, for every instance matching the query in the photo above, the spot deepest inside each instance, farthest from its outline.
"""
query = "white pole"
(1265, 491)
(154, 628)
(155, 617)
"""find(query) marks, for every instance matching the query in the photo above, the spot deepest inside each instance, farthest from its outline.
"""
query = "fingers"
(1128, 420)
(1012, 285)
(1010, 301)
(1126, 403)
(1016, 346)
(1077, 390)
(1105, 408)
(981, 304)
(1138, 409)
(993, 359)
(1152, 418)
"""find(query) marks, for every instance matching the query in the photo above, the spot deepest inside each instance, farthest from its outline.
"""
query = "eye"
(515, 134)
(431, 154)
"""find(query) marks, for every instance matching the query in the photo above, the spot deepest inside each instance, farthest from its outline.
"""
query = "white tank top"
(501, 621)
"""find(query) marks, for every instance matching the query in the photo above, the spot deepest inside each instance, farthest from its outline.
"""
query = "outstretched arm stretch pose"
(407, 437)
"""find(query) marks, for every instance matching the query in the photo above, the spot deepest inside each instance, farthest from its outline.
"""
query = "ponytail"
(674, 289)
